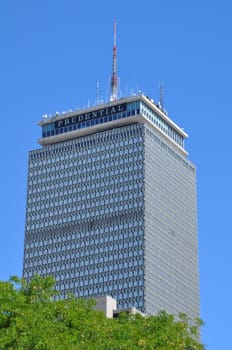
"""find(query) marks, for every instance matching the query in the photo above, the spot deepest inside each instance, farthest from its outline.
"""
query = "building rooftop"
(108, 305)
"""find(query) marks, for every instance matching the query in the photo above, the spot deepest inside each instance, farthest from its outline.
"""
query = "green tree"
(32, 319)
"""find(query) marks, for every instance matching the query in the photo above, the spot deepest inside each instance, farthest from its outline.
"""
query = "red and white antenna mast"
(114, 78)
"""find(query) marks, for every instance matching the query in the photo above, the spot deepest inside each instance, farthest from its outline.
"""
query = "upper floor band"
(130, 110)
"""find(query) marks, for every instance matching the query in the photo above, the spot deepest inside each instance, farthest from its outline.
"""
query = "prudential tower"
(111, 206)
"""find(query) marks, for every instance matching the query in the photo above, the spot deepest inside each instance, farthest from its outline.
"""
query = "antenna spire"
(114, 78)
(161, 97)
(97, 93)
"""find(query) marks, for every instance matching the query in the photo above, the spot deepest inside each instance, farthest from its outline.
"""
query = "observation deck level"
(130, 110)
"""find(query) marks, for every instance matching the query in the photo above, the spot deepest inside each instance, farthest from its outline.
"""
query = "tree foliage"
(32, 319)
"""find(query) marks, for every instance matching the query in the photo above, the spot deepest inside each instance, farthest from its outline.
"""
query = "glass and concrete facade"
(111, 207)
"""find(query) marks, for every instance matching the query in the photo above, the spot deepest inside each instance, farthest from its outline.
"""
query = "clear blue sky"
(53, 53)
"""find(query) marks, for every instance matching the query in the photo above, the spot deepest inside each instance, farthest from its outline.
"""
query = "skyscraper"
(111, 207)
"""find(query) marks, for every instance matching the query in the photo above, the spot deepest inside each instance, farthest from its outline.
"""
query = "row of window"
(82, 206)
(118, 249)
(117, 239)
(42, 220)
(120, 137)
(60, 189)
(119, 291)
(58, 171)
(123, 228)
(125, 276)
(124, 257)
(50, 129)
(111, 223)
(102, 178)
(50, 195)
(89, 240)
(104, 195)
(84, 157)
(130, 267)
